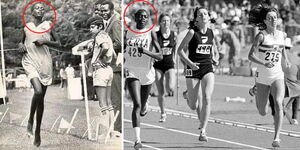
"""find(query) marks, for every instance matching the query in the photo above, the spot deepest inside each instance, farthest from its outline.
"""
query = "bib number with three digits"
(133, 52)
(204, 49)
(272, 56)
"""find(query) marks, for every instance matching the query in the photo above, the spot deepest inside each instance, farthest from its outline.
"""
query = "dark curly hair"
(258, 14)
(192, 23)
(138, 12)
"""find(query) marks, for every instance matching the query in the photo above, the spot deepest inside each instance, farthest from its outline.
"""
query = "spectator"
(113, 27)
(234, 46)
(70, 71)
(238, 30)
(63, 77)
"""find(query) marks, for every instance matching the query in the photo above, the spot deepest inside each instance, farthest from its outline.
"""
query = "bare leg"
(170, 80)
(194, 95)
(277, 91)
(207, 90)
(134, 88)
(262, 97)
(38, 105)
(159, 80)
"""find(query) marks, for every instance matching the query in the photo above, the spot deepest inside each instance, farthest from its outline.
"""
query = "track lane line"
(144, 145)
(221, 121)
(193, 134)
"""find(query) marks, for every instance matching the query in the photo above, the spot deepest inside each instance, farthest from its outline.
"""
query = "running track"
(180, 131)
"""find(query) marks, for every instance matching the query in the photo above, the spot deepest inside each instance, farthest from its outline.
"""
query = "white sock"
(137, 133)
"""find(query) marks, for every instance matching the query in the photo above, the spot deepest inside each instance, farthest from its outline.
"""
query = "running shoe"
(203, 137)
(294, 122)
(276, 143)
(137, 145)
(163, 117)
(145, 110)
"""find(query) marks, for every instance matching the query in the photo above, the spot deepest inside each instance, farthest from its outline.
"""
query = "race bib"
(204, 49)
(274, 55)
(133, 52)
(188, 72)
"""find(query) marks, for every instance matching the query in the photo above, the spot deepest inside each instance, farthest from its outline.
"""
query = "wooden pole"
(86, 97)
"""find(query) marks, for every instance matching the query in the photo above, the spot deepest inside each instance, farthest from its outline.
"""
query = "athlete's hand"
(39, 42)
(126, 72)
(89, 46)
(269, 64)
(195, 66)
(22, 48)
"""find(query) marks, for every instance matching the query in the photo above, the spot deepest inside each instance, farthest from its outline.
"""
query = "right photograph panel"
(211, 74)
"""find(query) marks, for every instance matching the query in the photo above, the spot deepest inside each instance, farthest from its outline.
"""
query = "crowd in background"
(229, 21)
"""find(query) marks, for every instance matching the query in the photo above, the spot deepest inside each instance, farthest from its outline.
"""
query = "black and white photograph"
(60, 80)
(150, 74)
(211, 74)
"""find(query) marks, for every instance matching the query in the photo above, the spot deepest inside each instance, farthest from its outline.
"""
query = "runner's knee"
(38, 92)
(278, 106)
(137, 107)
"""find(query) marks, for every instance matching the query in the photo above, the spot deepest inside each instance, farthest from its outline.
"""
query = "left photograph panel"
(60, 80)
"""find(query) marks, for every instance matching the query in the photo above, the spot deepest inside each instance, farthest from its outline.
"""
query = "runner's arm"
(181, 52)
(156, 55)
(251, 56)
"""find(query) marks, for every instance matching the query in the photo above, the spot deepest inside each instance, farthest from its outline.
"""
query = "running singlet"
(167, 46)
(270, 50)
(200, 47)
(135, 61)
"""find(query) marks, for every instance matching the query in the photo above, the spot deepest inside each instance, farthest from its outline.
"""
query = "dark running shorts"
(200, 73)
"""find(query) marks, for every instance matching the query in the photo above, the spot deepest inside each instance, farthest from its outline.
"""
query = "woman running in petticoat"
(37, 63)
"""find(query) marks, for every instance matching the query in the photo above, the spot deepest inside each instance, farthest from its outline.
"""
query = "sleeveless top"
(37, 61)
(133, 59)
(200, 47)
(270, 50)
(168, 48)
